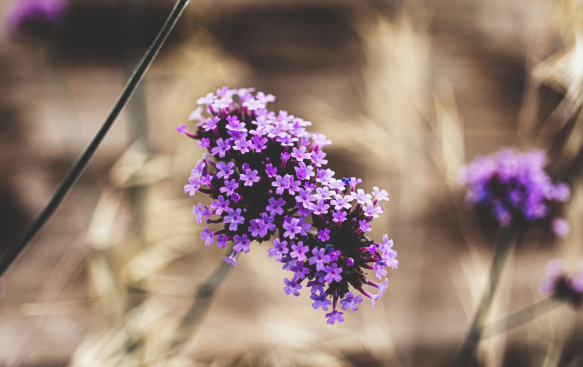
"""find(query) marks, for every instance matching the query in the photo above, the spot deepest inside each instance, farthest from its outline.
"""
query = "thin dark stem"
(467, 350)
(520, 317)
(81, 163)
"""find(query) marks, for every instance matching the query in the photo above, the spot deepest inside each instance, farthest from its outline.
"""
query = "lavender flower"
(266, 174)
(563, 286)
(514, 188)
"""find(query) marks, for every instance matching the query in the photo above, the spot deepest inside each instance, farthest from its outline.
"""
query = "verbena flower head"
(514, 187)
(563, 286)
(34, 17)
(267, 177)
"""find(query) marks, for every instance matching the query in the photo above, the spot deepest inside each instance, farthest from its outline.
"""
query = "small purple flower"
(206, 180)
(291, 286)
(221, 205)
(250, 177)
(320, 140)
(270, 170)
(380, 194)
(361, 197)
(334, 316)
(241, 243)
(304, 172)
(305, 196)
(319, 258)
(316, 285)
(208, 236)
(318, 158)
(233, 123)
(196, 114)
(258, 143)
(262, 98)
(225, 170)
(231, 259)
(300, 154)
(211, 123)
(275, 206)
(204, 143)
(390, 258)
(320, 207)
(320, 301)
(253, 104)
(387, 244)
(324, 176)
(199, 212)
(379, 268)
(222, 147)
(234, 217)
(342, 201)
(300, 271)
(351, 301)
(324, 235)
(208, 99)
(287, 262)
(333, 273)
(286, 140)
(230, 187)
(281, 183)
(364, 225)
(242, 145)
(382, 288)
(284, 158)
(339, 216)
(372, 211)
(279, 249)
(194, 184)
(292, 227)
(222, 240)
(299, 251)
(560, 227)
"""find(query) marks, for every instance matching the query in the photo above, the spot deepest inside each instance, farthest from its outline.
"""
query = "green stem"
(467, 350)
(520, 317)
(83, 160)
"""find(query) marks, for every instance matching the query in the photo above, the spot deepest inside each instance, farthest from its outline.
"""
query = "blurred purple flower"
(514, 187)
(563, 286)
(30, 18)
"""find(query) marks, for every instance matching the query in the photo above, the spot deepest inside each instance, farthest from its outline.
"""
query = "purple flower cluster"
(563, 286)
(266, 174)
(34, 17)
(514, 187)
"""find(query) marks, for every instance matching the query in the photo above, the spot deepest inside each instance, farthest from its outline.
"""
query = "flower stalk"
(520, 317)
(83, 160)
(474, 335)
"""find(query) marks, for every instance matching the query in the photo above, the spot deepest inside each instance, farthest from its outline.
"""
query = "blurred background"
(408, 92)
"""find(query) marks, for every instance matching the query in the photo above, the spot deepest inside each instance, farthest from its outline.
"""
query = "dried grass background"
(406, 92)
